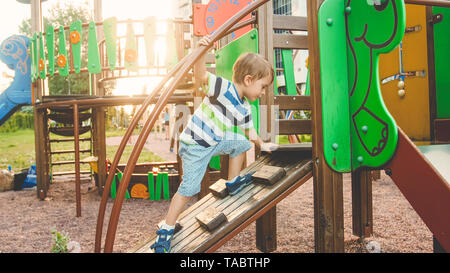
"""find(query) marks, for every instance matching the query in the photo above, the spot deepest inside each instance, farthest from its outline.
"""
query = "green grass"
(18, 150)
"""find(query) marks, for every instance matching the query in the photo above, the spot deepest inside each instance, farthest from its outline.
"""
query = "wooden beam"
(266, 49)
(290, 22)
(290, 41)
(328, 191)
(293, 102)
(294, 126)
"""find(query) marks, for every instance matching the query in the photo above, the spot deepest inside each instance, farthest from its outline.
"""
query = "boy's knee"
(188, 191)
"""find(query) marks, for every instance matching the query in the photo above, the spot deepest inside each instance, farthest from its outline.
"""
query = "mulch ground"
(26, 222)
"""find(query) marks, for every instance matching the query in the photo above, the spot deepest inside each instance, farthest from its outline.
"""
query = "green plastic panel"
(151, 186)
(110, 31)
(334, 82)
(119, 176)
(42, 73)
(442, 59)
(307, 89)
(130, 46)
(165, 179)
(33, 71)
(50, 42)
(275, 83)
(372, 29)
(227, 56)
(358, 129)
(225, 59)
(149, 38)
(94, 66)
(288, 67)
(76, 47)
(63, 71)
(162, 183)
(114, 188)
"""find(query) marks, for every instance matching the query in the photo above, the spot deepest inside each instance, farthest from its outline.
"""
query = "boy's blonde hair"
(251, 64)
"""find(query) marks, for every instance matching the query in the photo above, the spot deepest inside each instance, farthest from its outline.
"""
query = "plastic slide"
(14, 53)
(422, 178)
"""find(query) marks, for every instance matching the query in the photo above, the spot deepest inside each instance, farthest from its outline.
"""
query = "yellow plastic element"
(410, 106)
(139, 191)
(130, 55)
(92, 160)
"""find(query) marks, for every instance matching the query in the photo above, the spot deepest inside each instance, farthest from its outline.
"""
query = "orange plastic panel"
(209, 17)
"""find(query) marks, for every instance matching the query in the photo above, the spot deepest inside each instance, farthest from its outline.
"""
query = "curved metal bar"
(190, 60)
(118, 155)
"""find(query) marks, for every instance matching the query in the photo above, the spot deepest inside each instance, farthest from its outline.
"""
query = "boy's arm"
(255, 138)
(200, 66)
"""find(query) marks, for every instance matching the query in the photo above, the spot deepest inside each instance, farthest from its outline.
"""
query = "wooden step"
(67, 162)
(69, 140)
(69, 151)
(69, 173)
(68, 131)
(67, 118)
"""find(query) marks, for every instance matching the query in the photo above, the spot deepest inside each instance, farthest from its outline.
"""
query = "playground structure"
(335, 148)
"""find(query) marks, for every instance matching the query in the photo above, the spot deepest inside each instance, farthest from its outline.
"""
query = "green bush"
(17, 122)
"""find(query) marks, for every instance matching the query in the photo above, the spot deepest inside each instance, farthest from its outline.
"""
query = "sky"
(12, 13)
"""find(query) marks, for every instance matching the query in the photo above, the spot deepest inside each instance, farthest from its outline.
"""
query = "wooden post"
(198, 98)
(40, 125)
(431, 69)
(328, 191)
(266, 231)
(224, 163)
(99, 145)
(362, 215)
(98, 114)
(266, 239)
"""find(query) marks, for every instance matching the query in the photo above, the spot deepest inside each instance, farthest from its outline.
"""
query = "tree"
(63, 14)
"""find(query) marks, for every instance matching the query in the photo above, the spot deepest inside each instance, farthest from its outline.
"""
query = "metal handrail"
(185, 64)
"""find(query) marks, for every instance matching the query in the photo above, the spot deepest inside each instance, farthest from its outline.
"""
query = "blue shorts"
(195, 159)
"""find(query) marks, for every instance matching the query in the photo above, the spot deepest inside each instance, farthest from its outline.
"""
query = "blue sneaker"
(162, 244)
(238, 183)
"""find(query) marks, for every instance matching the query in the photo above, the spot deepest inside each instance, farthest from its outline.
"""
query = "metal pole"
(77, 159)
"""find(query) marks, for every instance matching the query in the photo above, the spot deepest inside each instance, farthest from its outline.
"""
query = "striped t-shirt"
(221, 110)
